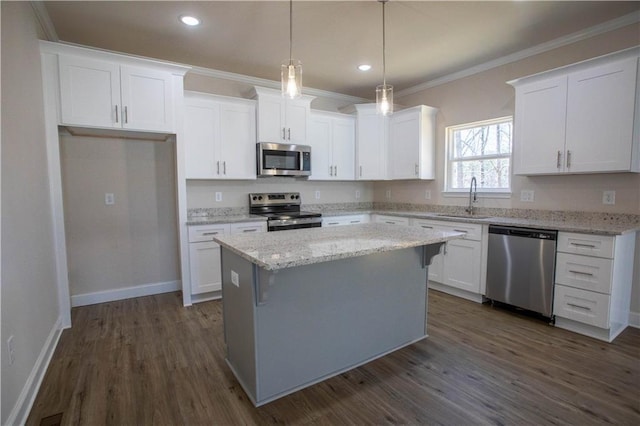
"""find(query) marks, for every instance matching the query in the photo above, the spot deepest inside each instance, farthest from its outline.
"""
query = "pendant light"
(384, 92)
(291, 70)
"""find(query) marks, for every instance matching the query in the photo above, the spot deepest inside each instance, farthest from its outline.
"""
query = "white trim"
(124, 293)
(634, 317)
(20, 411)
(272, 84)
(463, 294)
(614, 24)
(44, 20)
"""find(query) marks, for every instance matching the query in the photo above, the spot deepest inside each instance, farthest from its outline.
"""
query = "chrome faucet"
(473, 189)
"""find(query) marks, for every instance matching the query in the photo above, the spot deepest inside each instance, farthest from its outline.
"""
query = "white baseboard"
(634, 319)
(22, 408)
(124, 293)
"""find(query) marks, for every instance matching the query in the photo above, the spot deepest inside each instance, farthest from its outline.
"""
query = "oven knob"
(293, 196)
(255, 198)
(260, 198)
(297, 196)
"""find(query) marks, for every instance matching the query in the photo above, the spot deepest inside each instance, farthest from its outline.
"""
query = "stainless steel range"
(283, 211)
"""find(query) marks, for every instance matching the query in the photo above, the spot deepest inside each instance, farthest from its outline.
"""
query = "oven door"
(287, 224)
(275, 159)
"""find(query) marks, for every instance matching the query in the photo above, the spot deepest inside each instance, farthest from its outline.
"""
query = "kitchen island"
(304, 305)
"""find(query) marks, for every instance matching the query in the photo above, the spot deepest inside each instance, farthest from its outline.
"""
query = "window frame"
(493, 192)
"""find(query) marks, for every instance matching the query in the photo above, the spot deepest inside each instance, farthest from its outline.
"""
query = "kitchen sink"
(462, 216)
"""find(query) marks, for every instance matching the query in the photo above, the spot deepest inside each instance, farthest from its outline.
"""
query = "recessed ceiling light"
(364, 67)
(192, 21)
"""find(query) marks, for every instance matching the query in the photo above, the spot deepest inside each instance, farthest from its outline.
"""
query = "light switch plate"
(609, 197)
(527, 195)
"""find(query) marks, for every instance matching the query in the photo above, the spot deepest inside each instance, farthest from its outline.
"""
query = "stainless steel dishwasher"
(521, 266)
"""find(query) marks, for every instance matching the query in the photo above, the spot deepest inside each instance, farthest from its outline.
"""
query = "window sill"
(465, 194)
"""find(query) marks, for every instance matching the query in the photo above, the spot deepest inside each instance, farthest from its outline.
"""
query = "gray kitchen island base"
(290, 328)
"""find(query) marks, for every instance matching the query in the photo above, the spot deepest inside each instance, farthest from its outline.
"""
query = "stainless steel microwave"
(278, 159)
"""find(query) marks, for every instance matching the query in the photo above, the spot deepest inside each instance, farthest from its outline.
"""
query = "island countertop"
(287, 249)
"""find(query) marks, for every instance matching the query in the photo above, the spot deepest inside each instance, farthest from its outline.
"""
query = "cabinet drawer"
(247, 228)
(584, 272)
(428, 224)
(206, 232)
(472, 231)
(392, 220)
(345, 220)
(580, 305)
(589, 245)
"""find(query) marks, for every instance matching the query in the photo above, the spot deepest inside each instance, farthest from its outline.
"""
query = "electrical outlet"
(10, 349)
(608, 197)
(527, 195)
(388, 194)
(218, 196)
(357, 194)
(235, 279)
(317, 195)
(427, 194)
(109, 199)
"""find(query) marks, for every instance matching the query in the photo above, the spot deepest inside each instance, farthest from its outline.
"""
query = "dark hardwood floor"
(151, 361)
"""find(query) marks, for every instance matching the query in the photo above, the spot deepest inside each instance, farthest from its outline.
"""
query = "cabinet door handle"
(249, 230)
(332, 223)
(426, 227)
(416, 169)
(126, 115)
(586, 308)
(559, 160)
(330, 170)
(335, 170)
(283, 134)
(389, 222)
(224, 167)
(211, 233)
(218, 167)
(581, 273)
(354, 221)
(583, 245)
(289, 133)
(461, 230)
(117, 114)
(568, 159)
(360, 171)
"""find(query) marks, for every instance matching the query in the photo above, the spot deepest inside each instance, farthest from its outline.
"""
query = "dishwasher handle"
(539, 234)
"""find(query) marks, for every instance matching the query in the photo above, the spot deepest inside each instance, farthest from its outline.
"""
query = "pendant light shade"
(384, 92)
(291, 70)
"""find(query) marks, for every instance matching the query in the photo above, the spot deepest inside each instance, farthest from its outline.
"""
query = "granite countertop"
(279, 250)
(236, 218)
(587, 223)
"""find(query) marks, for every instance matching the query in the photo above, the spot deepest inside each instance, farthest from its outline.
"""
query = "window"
(481, 149)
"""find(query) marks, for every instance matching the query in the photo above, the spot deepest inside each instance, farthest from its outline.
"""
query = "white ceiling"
(426, 40)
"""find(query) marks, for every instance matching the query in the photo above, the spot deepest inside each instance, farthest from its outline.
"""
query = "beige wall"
(486, 95)
(29, 293)
(201, 194)
(133, 241)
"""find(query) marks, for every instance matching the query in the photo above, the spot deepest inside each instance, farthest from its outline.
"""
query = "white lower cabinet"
(593, 281)
(391, 220)
(352, 219)
(204, 254)
(460, 267)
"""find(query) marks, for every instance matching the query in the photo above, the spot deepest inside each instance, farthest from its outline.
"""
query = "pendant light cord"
(290, 32)
(384, 64)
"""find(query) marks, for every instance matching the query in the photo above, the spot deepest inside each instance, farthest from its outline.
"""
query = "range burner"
(283, 211)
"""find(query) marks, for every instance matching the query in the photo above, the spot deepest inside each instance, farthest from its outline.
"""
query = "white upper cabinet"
(411, 148)
(579, 119)
(332, 140)
(105, 93)
(219, 137)
(282, 120)
(371, 143)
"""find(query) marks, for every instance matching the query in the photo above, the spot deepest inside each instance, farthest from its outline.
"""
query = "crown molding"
(614, 24)
(263, 82)
(44, 20)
